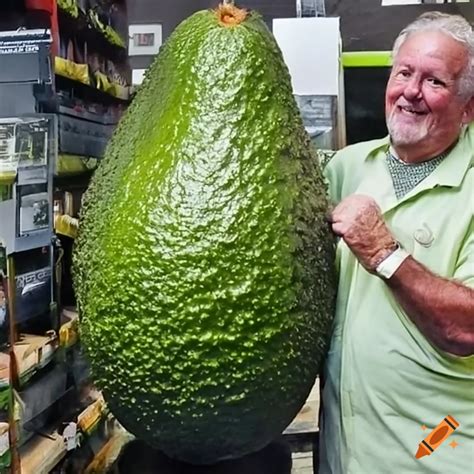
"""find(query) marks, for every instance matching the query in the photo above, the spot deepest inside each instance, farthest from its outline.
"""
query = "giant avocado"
(204, 266)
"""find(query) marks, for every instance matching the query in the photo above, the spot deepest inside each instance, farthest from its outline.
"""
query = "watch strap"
(389, 265)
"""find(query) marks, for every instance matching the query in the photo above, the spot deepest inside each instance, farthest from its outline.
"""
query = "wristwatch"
(390, 264)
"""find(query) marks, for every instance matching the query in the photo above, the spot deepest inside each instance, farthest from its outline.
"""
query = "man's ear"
(468, 115)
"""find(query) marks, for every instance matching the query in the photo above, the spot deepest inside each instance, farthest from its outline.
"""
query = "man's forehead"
(433, 43)
(439, 48)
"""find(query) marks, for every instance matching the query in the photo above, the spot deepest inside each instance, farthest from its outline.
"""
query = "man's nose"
(413, 89)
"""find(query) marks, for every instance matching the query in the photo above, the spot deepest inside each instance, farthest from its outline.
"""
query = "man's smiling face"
(422, 102)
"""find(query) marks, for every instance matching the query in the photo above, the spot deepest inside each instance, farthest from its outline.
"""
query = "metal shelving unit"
(47, 401)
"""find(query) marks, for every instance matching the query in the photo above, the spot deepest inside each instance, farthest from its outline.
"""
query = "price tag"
(69, 436)
(4, 439)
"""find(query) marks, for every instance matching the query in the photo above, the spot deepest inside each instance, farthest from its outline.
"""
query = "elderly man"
(401, 356)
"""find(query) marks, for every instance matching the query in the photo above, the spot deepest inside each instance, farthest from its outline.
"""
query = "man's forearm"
(442, 309)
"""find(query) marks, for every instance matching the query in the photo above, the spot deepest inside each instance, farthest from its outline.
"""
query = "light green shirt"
(383, 379)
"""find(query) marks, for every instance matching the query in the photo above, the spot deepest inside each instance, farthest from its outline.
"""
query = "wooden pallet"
(303, 433)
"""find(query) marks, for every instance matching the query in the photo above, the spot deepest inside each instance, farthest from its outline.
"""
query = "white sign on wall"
(419, 2)
(144, 40)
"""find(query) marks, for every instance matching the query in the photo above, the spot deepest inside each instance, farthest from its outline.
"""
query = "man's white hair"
(455, 26)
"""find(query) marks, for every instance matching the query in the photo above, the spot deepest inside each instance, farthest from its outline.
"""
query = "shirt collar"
(454, 168)
(451, 170)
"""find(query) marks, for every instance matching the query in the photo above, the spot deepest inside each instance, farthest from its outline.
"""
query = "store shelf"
(90, 418)
(7, 178)
(50, 386)
(117, 90)
(71, 70)
(33, 353)
(5, 401)
(102, 118)
(78, 76)
(66, 225)
(69, 332)
(69, 7)
(42, 453)
(5, 454)
(87, 29)
(74, 165)
(107, 456)
(94, 430)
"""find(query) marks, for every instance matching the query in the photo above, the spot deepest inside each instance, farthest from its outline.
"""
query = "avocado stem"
(229, 15)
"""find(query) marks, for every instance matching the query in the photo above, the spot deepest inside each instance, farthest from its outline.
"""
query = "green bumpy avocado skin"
(204, 265)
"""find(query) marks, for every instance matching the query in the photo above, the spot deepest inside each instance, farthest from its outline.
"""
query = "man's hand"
(358, 220)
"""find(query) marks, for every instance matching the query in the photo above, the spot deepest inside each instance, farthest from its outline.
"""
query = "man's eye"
(404, 73)
(436, 82)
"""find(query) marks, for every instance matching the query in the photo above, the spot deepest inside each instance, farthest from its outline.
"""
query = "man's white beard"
(404, 134)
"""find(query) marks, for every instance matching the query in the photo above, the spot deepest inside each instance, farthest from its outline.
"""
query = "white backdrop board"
(311, 49)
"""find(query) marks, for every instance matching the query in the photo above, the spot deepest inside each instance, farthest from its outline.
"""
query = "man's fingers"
(339, 228)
